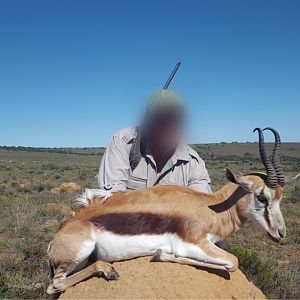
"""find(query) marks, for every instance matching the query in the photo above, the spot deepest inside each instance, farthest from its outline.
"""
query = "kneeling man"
(154, 152)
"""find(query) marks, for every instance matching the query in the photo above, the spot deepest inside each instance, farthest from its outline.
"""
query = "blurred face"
(166, 129)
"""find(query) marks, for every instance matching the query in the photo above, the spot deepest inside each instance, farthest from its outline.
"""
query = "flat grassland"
(27, 224)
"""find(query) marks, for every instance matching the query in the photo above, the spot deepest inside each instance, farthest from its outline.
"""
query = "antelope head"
(263, 191)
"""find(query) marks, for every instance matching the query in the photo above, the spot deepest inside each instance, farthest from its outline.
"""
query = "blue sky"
(73, 72)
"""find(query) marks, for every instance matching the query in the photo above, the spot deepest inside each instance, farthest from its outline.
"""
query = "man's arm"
(114, 167)
(199, 179)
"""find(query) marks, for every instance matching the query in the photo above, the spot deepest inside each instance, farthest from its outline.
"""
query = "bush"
(275, 281)
(258, 269)
(295, 194)
(40, 186)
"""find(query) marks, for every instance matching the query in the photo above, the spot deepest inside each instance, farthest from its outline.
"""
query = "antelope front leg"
(160, 256)
(207, 255)
(61, 282)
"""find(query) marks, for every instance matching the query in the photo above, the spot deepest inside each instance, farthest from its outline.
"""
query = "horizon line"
(65, 147)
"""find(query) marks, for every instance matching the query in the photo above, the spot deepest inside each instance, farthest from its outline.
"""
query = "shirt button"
(108, 186)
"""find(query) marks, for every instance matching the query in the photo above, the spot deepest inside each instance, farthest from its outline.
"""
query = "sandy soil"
(140, 279)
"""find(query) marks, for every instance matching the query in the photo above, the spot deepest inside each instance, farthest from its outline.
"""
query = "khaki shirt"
(185, 167)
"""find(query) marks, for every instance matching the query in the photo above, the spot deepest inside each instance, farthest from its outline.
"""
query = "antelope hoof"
(156, 256)
(112, 275)
(53, 290)
(50, 289)
(233, 265)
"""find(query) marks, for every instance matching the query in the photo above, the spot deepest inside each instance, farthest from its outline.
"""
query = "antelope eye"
(261, 198)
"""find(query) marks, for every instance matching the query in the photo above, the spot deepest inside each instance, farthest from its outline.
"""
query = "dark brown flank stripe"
(266, 216)
(139, 223)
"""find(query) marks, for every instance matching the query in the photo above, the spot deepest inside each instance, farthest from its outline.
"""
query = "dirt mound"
(140, 279)
(66, 186)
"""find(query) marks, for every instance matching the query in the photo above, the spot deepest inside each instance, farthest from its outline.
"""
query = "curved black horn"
(271, 180)
(276, 157)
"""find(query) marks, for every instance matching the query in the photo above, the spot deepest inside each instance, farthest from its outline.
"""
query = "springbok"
(171, 223)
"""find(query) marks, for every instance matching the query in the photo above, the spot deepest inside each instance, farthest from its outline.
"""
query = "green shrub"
(274, 280)
(256, 267)
(295, 194)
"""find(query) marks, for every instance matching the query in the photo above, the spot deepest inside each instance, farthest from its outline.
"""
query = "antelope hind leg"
(61, 283)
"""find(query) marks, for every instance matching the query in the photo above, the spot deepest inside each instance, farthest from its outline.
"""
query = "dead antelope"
(171, 223)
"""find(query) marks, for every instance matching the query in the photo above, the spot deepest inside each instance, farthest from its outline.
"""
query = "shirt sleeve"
(199, 179)
(114, 167)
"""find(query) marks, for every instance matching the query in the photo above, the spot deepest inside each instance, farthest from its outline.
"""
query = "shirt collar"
(181, 153)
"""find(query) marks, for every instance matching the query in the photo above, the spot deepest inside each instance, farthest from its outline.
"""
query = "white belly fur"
(113, 247)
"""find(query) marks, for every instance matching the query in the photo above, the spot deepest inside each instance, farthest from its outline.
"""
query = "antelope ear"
(242, 181)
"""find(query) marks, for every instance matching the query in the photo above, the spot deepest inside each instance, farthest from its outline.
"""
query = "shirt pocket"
(136, 183)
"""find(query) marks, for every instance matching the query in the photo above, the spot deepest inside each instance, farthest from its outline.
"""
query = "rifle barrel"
(172, 75)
